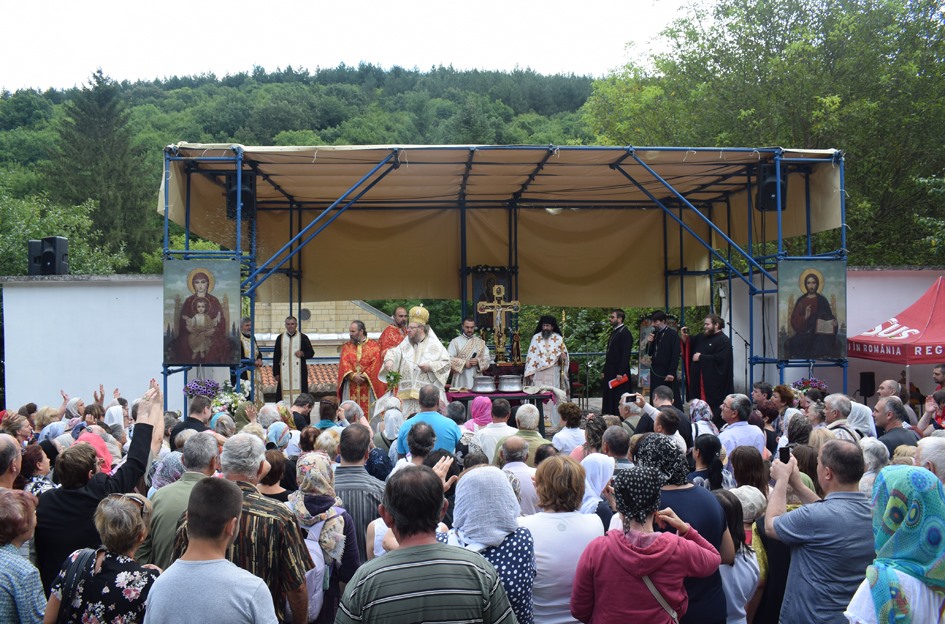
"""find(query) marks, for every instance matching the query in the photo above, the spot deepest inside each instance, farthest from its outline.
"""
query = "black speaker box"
(247, 196)
(766, 198)
(49, 256)
(867, 384)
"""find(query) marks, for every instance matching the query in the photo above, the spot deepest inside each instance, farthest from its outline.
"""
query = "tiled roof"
(322, 378)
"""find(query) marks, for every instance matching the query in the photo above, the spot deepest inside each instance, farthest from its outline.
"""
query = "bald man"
(512, 455)
(893, 388)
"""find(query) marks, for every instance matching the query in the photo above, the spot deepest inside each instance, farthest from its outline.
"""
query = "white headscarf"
(599, 469)
(486, 509)
(393, 421)
(115, 415)
(72, 408)
(861, 419)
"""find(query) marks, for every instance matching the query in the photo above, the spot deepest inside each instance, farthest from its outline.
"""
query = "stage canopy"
(914, 336)
(582, 225)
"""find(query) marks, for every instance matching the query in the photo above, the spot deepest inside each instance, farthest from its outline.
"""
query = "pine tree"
(96, 158)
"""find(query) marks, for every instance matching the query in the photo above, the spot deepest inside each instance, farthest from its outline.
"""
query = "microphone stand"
(747, 348)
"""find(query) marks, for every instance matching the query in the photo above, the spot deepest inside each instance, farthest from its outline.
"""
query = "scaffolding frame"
(758, 274)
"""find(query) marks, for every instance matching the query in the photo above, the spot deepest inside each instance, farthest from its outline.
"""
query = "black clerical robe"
(711, 378)
(617, 363)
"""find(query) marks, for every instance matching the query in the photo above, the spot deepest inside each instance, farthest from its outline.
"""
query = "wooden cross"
(499, 307)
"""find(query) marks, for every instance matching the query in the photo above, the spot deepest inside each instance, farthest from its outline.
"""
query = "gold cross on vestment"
(499, 307)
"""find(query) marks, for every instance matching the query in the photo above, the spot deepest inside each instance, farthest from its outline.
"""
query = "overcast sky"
(59, 43)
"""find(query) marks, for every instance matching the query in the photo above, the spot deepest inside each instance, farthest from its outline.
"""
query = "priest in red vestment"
(358, 368)
(394, 334)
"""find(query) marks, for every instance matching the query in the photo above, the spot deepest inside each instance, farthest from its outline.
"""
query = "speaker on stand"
(867, 385)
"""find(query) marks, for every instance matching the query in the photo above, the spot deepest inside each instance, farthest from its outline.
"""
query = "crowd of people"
(787, 507)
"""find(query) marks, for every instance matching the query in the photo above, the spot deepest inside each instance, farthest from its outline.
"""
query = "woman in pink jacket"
(609, 583)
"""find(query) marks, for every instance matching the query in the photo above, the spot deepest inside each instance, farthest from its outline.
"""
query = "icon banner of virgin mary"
(201, 313)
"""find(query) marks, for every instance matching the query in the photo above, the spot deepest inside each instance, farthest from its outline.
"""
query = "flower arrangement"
(229, 398)
(202, 387)
(806, 384)
(392, 381)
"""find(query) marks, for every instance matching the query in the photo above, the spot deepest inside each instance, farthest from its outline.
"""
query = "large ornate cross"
(499, 307)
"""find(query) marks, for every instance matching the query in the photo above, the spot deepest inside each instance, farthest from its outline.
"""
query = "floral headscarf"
(637, 492)
(168, 470)
(480, 413)
(908, 507)
(315, 502)
(658, 451)
(699, 412)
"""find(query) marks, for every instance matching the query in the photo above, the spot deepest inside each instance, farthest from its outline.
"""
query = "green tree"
(153, 261)
(866, 76)
(95, 158)
(22, 219)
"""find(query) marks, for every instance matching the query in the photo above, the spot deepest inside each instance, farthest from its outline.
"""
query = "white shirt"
(568, 439)
(529, 498)
(488, 437)
(560, 539)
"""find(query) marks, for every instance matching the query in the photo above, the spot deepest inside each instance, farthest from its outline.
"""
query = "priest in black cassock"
(709, 363)
(617, 362)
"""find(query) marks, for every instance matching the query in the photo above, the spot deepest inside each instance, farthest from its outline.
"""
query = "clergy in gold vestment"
(420, 360)
(547, 362)
(358, 367)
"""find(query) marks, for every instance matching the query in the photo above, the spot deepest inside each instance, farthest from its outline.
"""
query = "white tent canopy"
(580, 223)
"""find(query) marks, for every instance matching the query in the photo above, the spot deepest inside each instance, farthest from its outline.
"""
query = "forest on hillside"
(865, 76)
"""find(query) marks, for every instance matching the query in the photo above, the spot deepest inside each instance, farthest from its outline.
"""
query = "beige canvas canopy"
(582, 224)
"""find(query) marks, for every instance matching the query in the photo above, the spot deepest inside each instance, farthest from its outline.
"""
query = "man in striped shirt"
(359, 491)
(423, 580)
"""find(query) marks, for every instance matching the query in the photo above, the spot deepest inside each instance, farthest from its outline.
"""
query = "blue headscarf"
(52, 431)
(278, 433)
(909, 535)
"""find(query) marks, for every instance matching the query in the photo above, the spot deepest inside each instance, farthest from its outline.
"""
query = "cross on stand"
(499, 307)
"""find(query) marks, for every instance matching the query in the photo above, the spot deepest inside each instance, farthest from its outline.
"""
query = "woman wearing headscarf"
(598, 469)
(700, 414)
(906, 582)
(609, 583)
(115, 415)
(277, 436)
(480, 415)
(699, 508)
(52, 431)
(386, 438)
(101, 449)
(167, 471)
(485, 521)
(317, 509)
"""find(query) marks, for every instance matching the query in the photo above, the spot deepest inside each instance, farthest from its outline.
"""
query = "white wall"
(873, 295)
(75, 332)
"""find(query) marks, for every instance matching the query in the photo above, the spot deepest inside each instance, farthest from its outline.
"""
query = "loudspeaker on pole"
(766, 199)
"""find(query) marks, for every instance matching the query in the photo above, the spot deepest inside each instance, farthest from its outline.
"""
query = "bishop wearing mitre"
(420, 360)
